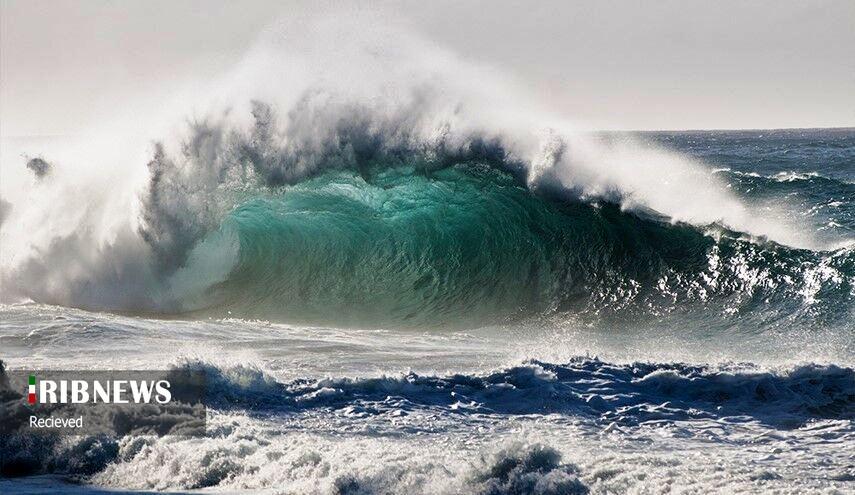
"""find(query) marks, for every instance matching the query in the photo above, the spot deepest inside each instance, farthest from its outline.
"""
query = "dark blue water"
(812, 170)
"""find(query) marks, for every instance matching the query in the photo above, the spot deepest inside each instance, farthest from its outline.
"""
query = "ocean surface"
(672, 312)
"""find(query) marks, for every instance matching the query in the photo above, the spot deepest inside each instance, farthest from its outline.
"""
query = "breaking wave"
(624, 394)
(469, 243)
(613, 396)
(407, 199)
(373, 227)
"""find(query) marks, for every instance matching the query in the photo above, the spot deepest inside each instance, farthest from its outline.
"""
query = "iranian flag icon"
(31, 396)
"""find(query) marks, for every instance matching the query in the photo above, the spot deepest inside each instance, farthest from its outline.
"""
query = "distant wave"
(829, 184)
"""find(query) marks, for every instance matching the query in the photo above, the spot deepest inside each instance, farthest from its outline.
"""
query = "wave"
(623, 394)
(373, 227)
(791, 181)
(612, 396)
(518, 467)
(394, 235)
(409, 200)
(470, 244)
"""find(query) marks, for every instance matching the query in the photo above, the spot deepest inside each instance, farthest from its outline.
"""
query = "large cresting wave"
(398, 186)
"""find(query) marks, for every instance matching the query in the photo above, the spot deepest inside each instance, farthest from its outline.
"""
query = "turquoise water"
(470, 244)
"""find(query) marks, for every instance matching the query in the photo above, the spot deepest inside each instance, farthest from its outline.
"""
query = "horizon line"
(695, 129)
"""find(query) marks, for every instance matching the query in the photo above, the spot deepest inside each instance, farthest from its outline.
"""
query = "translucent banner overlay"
(116, 403)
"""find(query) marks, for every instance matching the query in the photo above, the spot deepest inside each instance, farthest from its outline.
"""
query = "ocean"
(383, 315)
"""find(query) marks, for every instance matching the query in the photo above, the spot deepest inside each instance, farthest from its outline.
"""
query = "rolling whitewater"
(409, 289)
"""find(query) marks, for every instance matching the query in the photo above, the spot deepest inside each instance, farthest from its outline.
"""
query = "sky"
(608, 64)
